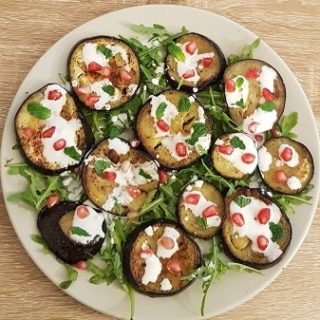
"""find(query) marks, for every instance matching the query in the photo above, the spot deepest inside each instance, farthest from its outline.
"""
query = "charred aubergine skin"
(190, 257)
(58, 242)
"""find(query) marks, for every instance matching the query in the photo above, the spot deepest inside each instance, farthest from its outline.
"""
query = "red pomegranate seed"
(134, 191)
(49, 132)
(146, 251)
(181, 149)
(105, 71)
(275, 132)
(167, 242)
(192, 198)
(109, 175)
(206, 62)
(82, 212)
(210, 211)
(252, 73)
(237, 218)
(191, 47)
(163, 176)
(252, 127)
(161, 124)
(28, 132)
(258, 137)
(248, 158)
(52, 200)
(225, 149)
(59, 144)
(230, 85)
(54, 95)
(84, 90)
(91, 100)
(264, 215)
(280, 177)
(125, 76)
(286, 154)
(94, 67)
(262, 242)
(134, 143)
(81, 265)
(267, 94)
(174, 267)
(189, 74)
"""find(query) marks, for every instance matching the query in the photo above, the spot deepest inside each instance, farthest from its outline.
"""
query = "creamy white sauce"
(252, 228)
(119, 146)
(149, 231)
(258, 143)
(240, 93)
(165, 285)
(264, 120)
(267, 77)
(198, 184)
(155, 81)
(295, 156)
(170, 143)
(163, 252)
(152, 269)
(294, 183)
(91, 54)
(265, 159)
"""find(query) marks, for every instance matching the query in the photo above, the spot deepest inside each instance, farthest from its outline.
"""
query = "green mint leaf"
(199, 129)
(242, 201)
(160, 110)
(237, 143)
(80, 232)
(240, 103)
(176, 51)
(277, 231)
(144, 174)
(246, 52)
(105, 51)
(184, 104)
(268, 106)
(239, 82)
(72, 153)
(113, 131)
(109, 89)
(37, 110)
(287, 123)
(101, 165)
(202, 222)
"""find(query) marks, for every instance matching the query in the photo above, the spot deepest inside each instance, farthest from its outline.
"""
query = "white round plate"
(235, 287)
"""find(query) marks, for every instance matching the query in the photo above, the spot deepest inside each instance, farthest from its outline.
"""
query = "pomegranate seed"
(225, 149)
(52, 200)
(146, 252)
(191, 47)
(134, 143)
(210, 211)
(275, 132)
(81, 265)
(161, 124)
(174, 267)
(49, 132)
(230, 85)
(286, 154)
(109, 175)
(264, 215)
(280, 177)
(59, 144)
(189, 74)
(28, 132)
(54, 95)
(258, 137)
(94, 67)
(262, 242)
(91, 100)
(84, 90)
(163, 176)
(237, 218)
(82, 212)
(206, 62)
(267, 94)
(192, 198)
(105, 71)
(125, 76)
(248, 158)
(253, 127)
(252, 73)
(181, 149)
(134, 191)
(167, 242)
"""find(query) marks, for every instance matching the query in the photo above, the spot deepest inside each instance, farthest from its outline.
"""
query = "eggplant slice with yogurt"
(286, 166)
(118, 178)
(157, 256)
(234, 155)
(201, 209)
(193, 62)
(174, 128)
(255, 94)
(104, 72)
(255, 231)
(52, 134)
(72, 231)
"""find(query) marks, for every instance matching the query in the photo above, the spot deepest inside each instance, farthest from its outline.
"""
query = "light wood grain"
(30, 27)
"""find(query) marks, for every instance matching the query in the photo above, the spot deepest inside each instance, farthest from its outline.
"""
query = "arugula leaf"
(101, 165)
(245, 53)
(237, 143)
(144, 174)
(160, 110)
(72, 276)
(37, 238)
(79, 231)
(72, 153)
(242, 201)
(202, 222)
(118, 207)
(37, 110)
(109, 89)
(240, 103)
(105, 51)
(114, 131)
(176, 51)
(199, 129)
(277, 231)
(287, 123)
(239, 82)
(64, 78)
(184, 104)
(268, 106)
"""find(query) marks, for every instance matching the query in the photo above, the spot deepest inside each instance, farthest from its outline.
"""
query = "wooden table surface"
(29, 27)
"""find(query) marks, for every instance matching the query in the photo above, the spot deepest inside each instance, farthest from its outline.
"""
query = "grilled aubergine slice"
(72, 231)
(255, 230)
(201, 209)
(174, 128)
(255, 94)
(104, 72)
(193, 62)
(285, 165)
(156, 257)
(234, 155)
(117, 178)
(52, 134)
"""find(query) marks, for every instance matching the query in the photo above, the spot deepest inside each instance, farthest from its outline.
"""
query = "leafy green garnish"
(37, 238)
(72, 153)
(268, 106)
(72, 276)
(160, 110)
(64, 78)
(287, 123)
(240, 103)
(79, 232)
(184, 104)
(101, 165)
(144, 174)
(118, 207)
(105, 51)
(246, 52)
(176, 51)
(237, 143)
(239, 82)
(199, 130)
(277, 231)
(37, 110)
(242, 201)
(202, 222)
(109, 89)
